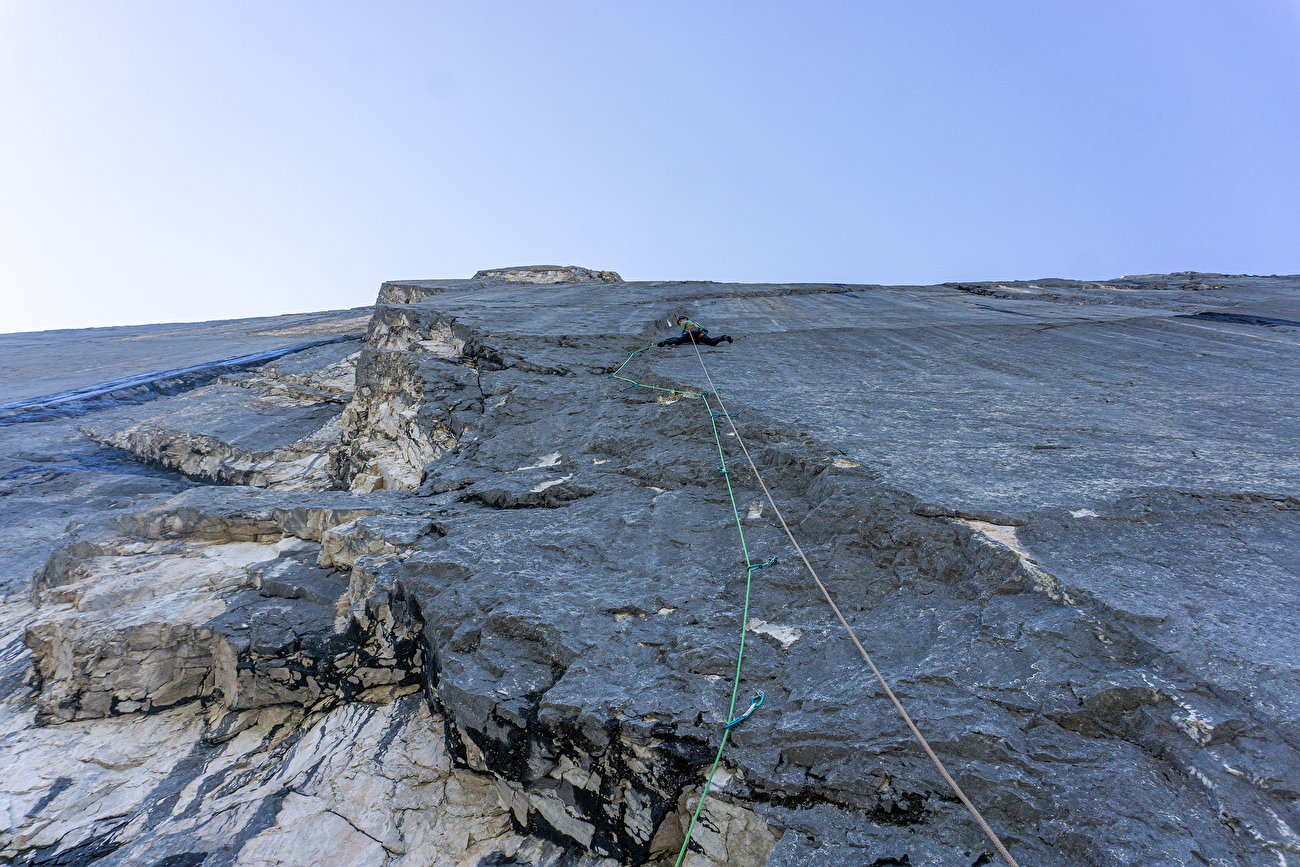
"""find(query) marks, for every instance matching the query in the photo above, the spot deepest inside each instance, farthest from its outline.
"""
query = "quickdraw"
(753, 706)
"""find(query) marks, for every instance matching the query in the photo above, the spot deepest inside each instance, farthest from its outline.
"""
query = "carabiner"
(753, 705)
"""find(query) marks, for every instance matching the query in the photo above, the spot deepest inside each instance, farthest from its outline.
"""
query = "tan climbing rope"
(813, 572)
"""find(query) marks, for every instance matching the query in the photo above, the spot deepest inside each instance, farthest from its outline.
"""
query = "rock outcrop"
(542, 274)
(278, 427)
(462, 598)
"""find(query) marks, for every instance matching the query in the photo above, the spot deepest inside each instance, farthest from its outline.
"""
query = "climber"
(693, 332)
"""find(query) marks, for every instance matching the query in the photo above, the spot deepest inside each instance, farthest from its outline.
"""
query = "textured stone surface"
(543, 274)
(278, 427)
(46, 362)
(1050, 509)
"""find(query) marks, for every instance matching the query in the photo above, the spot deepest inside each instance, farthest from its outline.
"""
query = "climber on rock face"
(693, 332)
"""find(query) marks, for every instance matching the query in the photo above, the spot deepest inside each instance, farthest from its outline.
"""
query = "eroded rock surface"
(497, 621)
(544, 274)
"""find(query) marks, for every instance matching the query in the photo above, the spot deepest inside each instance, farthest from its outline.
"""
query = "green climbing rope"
(750, 568)
(749, 580)
(744, 623)
(749, 572)
(633, 382)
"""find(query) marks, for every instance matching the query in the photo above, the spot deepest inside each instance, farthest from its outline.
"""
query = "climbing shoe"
(727, 337)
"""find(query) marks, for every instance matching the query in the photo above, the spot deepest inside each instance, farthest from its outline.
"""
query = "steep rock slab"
(276, 427)
(578, 651)
(1026, 724)
(50, 363)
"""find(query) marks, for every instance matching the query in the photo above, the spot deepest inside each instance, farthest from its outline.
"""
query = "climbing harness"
(753, 706)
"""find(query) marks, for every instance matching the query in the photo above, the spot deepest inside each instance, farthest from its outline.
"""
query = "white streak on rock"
(787, 635)
(544, 461)
(537, 489)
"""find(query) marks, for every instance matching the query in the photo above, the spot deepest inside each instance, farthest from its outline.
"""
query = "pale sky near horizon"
(164, 161)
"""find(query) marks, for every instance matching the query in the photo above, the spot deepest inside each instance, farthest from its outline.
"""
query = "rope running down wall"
(1002, 850)
(713, 420)
(750, 567)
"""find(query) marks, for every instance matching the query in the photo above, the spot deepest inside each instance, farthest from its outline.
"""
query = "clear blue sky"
(164, 161)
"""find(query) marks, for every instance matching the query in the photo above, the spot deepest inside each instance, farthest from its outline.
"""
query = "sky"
(164, 161)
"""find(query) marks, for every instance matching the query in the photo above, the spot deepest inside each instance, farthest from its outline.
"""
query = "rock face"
(277, 427)
(457, 596)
